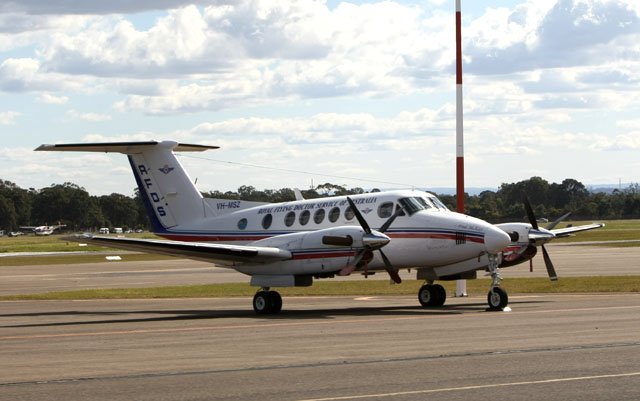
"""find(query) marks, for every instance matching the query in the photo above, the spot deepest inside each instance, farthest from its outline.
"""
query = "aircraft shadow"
(118, 316)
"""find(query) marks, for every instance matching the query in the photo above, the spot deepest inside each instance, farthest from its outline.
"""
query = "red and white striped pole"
(461, 285)
(459, 128)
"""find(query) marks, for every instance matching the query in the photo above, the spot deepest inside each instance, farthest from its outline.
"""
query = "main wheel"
(276, 301)
(432, 295)
(497, 298)
(441, 295)
(262, 303)
(267, 302)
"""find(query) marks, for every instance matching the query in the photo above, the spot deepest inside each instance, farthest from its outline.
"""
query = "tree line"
(72, 205)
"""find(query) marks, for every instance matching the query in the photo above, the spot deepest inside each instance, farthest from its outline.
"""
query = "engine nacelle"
(329, 238)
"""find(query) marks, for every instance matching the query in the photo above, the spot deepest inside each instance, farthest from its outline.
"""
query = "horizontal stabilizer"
(123, 147)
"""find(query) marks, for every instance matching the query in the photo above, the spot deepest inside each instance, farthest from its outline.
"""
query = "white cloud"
(48, 98)
(95, 117)
(9, 117)
(93, 7)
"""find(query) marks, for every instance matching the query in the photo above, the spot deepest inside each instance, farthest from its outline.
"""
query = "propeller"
(374, 241)
(536, 234)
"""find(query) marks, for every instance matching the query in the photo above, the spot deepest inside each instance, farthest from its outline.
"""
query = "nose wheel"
(497, 298)
(267, 302)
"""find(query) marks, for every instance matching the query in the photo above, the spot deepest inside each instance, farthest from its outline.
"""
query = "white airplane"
(291, 243)
(43, 230)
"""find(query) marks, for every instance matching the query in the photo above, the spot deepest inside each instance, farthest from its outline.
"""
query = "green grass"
(622, 284)
(50, 243)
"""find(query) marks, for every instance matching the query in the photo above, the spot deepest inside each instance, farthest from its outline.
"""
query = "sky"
(299, 93)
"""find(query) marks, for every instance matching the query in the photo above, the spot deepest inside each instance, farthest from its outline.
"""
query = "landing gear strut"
(267, 302)
(497, 298)
(432, 295)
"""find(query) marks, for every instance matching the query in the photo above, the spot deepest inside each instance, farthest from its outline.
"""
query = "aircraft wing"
(214, 253)
(565, 232)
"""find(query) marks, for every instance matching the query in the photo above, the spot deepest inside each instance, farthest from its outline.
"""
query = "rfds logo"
(166, 169)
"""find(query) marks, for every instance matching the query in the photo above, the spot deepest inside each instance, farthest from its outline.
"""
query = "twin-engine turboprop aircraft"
(291, 243)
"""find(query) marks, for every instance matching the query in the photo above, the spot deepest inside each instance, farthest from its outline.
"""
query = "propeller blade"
(547, 261)
(347, 270)
(393, 273)
(388, 223)
(361, 220)
(530, 215)
(337, 241)
(555, 223)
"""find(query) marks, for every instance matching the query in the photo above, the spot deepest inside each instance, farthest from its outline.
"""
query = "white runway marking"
(483, 386)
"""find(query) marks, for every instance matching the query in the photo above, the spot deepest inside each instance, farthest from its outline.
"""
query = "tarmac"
(570, 261)
(549, 347)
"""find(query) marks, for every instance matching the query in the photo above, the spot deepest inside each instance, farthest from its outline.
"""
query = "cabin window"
(289, 219)
(304, 217)
(334, 214)
(318, 216)
(348, 213)
(266, 221)
(242, 224)
(385, 210)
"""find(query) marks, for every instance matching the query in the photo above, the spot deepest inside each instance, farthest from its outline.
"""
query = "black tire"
(497, 298)
(276, 301)
(262, 303)
(441, 295)
(427, 295)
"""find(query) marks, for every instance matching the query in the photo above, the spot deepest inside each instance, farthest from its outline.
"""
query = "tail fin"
(169, 195)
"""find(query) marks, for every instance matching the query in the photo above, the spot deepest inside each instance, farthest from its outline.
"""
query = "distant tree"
(8, 215)
(21, 200)
(119, 210)
(65, 203)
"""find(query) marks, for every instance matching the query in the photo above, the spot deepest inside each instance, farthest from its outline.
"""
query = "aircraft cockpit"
(417, 203)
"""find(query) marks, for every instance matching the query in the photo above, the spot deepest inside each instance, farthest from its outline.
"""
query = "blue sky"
(359, 94)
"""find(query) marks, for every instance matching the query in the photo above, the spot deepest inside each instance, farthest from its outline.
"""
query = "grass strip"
(605, 284)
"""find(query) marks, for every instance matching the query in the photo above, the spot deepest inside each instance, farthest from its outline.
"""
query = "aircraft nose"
(495, 240)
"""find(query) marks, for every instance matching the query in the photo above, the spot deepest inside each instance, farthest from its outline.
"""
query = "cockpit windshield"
(415, 204)
(438, 203)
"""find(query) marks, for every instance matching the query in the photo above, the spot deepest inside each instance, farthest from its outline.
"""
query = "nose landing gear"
(497, 298)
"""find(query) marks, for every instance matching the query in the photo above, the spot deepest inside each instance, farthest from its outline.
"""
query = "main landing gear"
(432, 295)
(267, 302)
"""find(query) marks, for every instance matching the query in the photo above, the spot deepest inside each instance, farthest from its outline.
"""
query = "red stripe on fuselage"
(228, 238)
